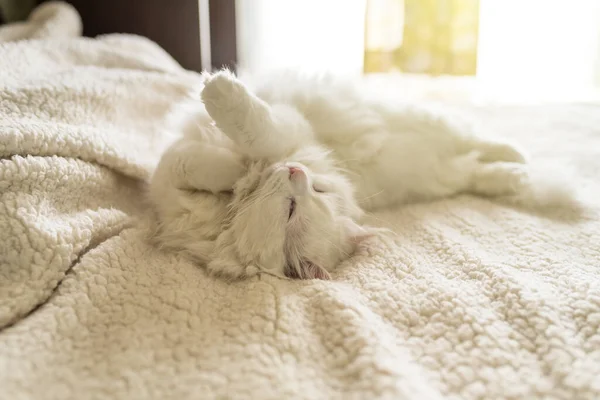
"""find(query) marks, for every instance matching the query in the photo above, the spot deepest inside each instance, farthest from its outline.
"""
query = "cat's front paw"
(222, 92)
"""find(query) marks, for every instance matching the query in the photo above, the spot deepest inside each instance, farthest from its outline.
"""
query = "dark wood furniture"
(173, 24)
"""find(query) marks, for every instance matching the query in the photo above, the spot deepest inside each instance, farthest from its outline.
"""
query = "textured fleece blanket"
(476, 300)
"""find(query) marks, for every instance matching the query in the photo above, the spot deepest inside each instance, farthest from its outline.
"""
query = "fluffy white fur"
(277, 180)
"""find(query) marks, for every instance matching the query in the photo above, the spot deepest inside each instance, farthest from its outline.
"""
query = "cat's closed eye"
(319, 189)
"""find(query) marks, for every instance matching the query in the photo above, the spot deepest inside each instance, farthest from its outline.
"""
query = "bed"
(476, 299)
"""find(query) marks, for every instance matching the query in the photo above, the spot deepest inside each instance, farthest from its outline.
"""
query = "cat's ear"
(308, 270)
(313, 271)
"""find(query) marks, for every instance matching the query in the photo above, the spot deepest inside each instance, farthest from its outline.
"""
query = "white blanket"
(477, 300)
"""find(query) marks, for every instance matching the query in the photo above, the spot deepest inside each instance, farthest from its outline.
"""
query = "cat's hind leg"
(488, 166)
(497, 151)
(469, 173)
(499, 178)
(501, 168)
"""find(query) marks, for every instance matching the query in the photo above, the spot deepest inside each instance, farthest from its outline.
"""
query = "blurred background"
(502, 51)
(513, 51)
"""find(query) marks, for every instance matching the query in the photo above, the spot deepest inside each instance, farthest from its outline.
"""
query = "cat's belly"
(405, 169)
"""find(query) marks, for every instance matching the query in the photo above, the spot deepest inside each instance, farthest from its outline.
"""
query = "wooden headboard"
(173, 24)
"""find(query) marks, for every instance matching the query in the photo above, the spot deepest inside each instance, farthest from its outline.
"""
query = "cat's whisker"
(255, 199)
(371, 196)
(374, 217)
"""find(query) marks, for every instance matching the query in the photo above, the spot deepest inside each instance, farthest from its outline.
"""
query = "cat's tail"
(533, 186)
(505, 172)
(544, 188)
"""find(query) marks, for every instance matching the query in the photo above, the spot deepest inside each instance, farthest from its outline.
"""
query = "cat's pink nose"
(295, 170)
(298, 179)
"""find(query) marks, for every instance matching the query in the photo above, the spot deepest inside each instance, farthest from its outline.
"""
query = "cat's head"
(291, 218)
(293, 212)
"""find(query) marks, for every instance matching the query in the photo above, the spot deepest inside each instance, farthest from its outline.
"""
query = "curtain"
(436, 37)
(515, 50)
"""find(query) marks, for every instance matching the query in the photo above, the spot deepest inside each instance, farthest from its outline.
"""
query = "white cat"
(277, 181)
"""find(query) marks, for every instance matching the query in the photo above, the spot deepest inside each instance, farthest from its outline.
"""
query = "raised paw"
(223, 92)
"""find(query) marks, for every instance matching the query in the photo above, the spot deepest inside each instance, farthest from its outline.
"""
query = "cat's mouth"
(292, 208)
